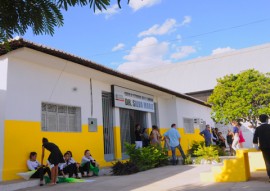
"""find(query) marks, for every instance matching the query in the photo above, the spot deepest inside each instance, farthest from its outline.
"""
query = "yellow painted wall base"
(236, 170)
(22, 137)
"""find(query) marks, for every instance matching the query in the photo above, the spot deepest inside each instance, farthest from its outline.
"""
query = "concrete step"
(207, 177)
(21, 183)
(18, 184)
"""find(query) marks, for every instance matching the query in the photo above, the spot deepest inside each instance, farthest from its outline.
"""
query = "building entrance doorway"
(128, 120)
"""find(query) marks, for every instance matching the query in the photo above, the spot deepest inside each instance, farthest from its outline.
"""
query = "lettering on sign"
(131, 99)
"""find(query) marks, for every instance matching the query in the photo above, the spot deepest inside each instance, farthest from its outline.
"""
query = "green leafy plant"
(220, 150)
(208, 154)
(188, 160)
(147, 157)
(124, 168)
(16, 16)
(194, 146)
(242, 96)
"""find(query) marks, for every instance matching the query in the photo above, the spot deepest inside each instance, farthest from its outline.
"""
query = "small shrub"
(220, 150)
(124, 168)
(194, 146)
(147, 157)
(208, 154)
(188, 160)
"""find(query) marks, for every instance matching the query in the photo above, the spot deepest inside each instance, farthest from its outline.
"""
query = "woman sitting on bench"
(41, 170)
(88, 164)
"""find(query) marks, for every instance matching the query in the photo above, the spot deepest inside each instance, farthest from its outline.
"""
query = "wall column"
(149, 122)
(117, 134)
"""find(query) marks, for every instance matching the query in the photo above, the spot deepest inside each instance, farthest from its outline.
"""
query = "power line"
(192, 36)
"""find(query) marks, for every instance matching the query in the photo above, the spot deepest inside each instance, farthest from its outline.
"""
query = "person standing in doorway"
(261, 136)
(175, 138)
(206, 134)
(145, 138)
(138, 136)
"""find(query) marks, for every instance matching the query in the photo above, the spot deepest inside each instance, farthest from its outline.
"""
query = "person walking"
(155, 136)
(261, 136)
(175, 138)
(235, 143)
(230, 140)
(206, 134)
(241, 137)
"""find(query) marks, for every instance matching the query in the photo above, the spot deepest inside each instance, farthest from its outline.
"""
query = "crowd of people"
(61, 165)
(234, 139)
(171, 139)
(65, 165)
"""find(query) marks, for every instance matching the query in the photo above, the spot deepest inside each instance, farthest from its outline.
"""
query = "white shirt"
(85, 160)
(32, 165)
(63, 165)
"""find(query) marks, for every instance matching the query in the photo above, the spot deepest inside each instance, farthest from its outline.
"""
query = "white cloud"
(222, 50)
(187, 20)
(168, 26)
(138, 4)
(119, 46)
(147, 53)
(183, 51)
(109, 12)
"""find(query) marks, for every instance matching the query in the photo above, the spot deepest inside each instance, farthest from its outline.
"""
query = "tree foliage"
(243, 96)
(16, 16)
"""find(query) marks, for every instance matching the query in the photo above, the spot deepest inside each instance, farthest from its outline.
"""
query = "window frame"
(59, 112)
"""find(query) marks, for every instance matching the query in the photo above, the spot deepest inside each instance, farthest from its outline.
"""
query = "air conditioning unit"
(196, 121)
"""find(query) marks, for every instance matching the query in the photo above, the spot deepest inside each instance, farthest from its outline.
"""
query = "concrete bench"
(236, 169)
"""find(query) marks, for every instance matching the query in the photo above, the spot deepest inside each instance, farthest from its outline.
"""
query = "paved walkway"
(170, 178)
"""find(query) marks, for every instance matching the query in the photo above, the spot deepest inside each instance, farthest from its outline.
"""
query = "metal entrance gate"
(128, 120)
(108, 137)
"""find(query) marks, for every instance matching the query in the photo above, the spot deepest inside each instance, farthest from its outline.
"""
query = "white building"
(48, 93)
(197, 77)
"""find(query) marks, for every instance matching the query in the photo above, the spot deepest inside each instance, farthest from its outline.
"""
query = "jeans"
(207, 143)
(181, 151)
(40, 173)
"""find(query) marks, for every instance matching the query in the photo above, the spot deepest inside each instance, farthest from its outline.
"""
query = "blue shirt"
(207, 135)
(235, 130)
(174, 136)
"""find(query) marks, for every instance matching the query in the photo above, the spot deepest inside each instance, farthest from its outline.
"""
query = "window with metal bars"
(60, 118)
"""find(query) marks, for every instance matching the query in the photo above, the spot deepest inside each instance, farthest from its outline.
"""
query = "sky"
(151, 33)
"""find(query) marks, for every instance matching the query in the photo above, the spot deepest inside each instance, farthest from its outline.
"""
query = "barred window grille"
(188, 125)
(60, 118)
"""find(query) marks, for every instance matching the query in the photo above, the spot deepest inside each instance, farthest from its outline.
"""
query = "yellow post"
(117, 143)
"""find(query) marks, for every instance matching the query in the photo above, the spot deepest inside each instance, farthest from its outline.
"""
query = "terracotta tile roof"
(20, 43)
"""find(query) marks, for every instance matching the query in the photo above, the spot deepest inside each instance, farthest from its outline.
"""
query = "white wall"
(201, 74)
(188, 109)
(167, 112)
(29, 84)
(3, 88)
(2, 118)
(3, 73)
